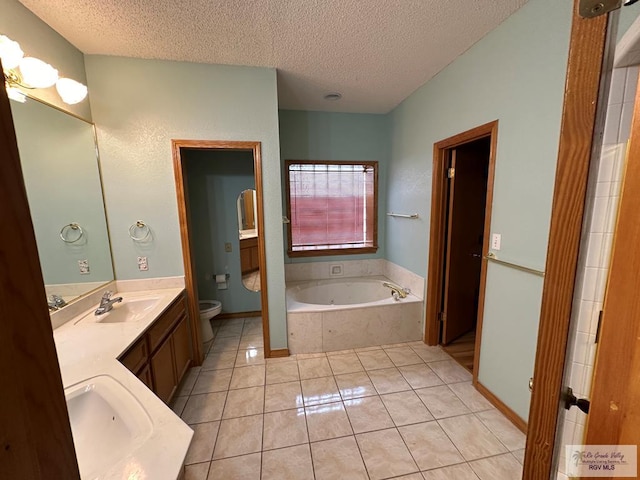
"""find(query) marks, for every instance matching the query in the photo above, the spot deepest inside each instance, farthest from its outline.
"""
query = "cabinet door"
(144, 376)
(245, 260)
(255, 258)
(181, 349)
(164, 377)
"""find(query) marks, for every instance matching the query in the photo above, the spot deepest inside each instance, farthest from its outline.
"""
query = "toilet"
(208, 310)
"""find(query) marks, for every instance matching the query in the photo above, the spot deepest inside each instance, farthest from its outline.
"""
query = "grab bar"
(493, 258)
(403, 215)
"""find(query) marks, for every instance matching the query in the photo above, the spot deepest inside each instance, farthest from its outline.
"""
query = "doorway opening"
(234, 171)
(463, 170)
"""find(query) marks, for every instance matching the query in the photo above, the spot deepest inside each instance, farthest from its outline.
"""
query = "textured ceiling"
(374, 52)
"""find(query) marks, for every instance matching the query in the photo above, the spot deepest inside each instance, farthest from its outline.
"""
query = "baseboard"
(281, 352)
(222, 316)
(502, 408)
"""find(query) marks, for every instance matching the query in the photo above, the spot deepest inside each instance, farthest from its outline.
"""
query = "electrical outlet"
(83, 265)
(496, 239)
(227, 247)
(143, 266)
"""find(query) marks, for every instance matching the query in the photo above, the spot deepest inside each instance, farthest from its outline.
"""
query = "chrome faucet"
(106, 303)
(55, 302)
(396, 291)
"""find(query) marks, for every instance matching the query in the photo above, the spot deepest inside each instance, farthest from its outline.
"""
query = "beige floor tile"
(251, 341)
(306, 356)
(281, 372)
(501, 467)
(189, 380)
(450, 371)
(204, 439)
(341, 352)
(355, 385)
(519, 456)
(442, 402)
(368, 349)
(290, 358)
(243, 402)
(244, 377)
(429, 445)
(178, 403)
(319, 390)
(461, 471)
(471, 437)
(239, 436)
(283, 396)
(212, 381)
(374, 359)
(327, 421)
(219, 360)
(338, 459)
(252, 328)
(284, 429)
(367, 414)
(314, 368)
(388, 380)
(403, 356)
(204, 408)
(471, 397)
(420, 376)
(501, 427)
(245, 467)
(406, 408)
(224, 344)
(229, 331)
(430, 354)
(197, 471)
(250, 356)
(292, 463)
(385, 454)
(347, 363)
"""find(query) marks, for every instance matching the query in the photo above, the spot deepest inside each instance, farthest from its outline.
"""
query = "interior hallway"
(398, 411)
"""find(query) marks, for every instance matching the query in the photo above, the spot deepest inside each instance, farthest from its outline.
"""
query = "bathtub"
(346, 313)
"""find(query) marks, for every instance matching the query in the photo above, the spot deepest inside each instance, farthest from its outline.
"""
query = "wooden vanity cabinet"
(162, 356)
(249, 256)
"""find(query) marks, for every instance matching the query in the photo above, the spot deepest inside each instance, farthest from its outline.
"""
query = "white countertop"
(88, 349)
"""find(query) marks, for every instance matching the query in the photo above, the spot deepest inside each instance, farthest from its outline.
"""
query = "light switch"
(227, 247)
(496, 239)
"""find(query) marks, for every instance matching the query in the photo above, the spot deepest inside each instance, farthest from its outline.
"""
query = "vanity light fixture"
(22, 72)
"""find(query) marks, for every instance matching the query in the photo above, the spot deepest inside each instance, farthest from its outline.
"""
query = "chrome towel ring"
(145, 231)
(64, 231)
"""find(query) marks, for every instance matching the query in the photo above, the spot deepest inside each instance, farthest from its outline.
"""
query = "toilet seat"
(209, 309)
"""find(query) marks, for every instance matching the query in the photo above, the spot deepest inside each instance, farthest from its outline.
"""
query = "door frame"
(582, 96)
(179, 167)
(438, 228)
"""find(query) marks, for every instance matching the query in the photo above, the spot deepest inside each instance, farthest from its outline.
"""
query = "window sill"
(325, 252)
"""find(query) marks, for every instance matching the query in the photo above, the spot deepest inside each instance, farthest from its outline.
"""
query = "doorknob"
(476, 255)
(570, 400)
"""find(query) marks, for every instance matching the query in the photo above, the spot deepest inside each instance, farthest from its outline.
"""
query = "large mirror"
(248, 235)
(59, 161)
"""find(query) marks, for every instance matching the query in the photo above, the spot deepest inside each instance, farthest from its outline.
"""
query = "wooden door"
(465, 231)
(614, 417)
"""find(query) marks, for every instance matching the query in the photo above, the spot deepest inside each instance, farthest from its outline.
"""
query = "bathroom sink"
(129, 310)
(107, 422)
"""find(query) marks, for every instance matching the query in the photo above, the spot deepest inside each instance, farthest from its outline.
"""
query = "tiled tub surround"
(313, 328)
(88, 349)
(396, 411)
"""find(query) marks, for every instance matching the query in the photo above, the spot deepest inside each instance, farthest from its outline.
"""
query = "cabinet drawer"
(136, 356)
(161, 328)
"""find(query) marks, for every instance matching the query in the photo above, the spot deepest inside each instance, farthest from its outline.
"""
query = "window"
(332, 207)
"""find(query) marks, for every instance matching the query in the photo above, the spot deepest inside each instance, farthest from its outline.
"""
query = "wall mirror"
(248, 235)
(59, 158)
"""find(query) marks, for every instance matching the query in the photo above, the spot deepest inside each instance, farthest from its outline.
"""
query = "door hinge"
(442, 316)
(451, 173)
(595, 8)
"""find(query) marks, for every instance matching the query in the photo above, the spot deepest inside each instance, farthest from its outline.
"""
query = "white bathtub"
(340, 314)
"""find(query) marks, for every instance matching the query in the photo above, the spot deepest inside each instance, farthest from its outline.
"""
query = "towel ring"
(72, 226)
(139, 225)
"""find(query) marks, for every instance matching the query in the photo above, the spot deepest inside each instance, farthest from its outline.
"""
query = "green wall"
(139, 106)
(516, 75)
(338, 136)
(215, 179)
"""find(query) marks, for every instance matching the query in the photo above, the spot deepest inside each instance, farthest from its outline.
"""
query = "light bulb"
(36, 73)
(10, 53)
(70, 91)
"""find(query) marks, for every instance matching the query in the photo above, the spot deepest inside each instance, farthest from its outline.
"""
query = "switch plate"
(83, 265)
(496, 239)
(227, 247)
(143, 266)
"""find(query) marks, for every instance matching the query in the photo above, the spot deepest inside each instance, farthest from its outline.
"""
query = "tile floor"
(398, 411)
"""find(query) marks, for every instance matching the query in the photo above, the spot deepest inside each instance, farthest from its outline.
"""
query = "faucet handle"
(107, 295)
